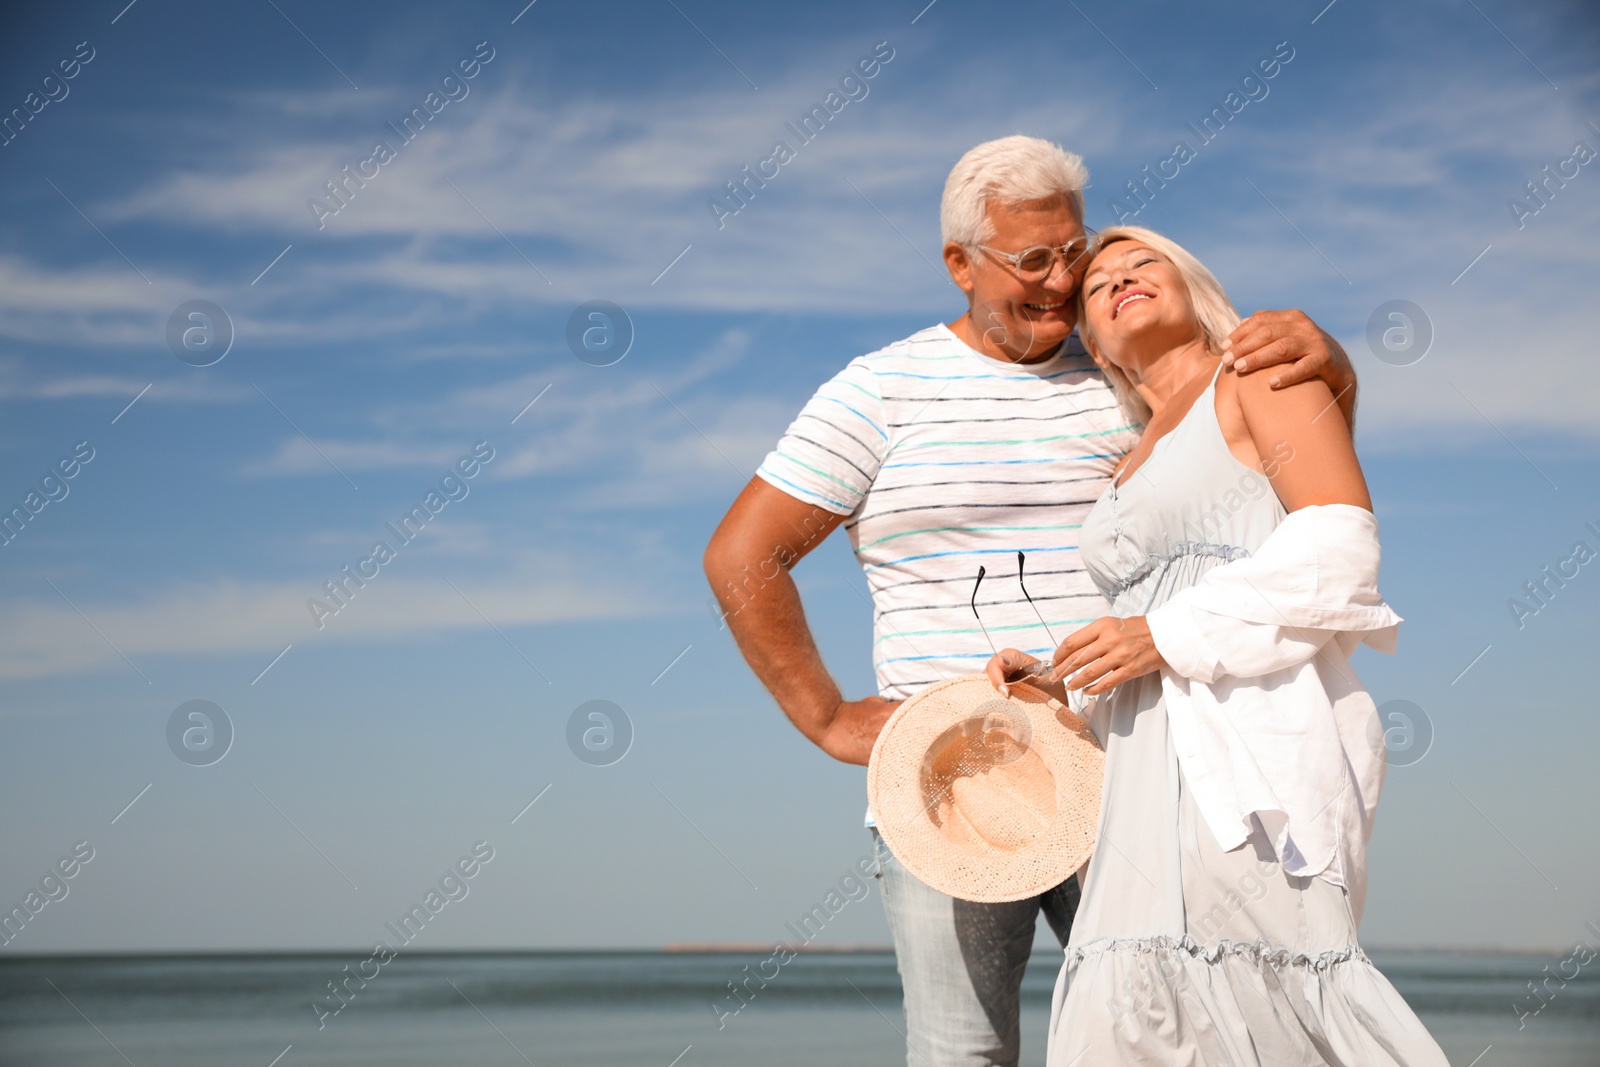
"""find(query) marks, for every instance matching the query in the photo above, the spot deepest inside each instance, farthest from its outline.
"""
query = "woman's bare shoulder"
(1230, 418)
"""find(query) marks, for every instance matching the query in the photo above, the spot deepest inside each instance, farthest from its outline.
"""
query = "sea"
(643, 1009)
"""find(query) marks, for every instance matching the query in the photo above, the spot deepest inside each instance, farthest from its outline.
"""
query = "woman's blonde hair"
(1213, 310)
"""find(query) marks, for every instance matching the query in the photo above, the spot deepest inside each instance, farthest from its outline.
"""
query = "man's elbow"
(711, 559)
(722, 552)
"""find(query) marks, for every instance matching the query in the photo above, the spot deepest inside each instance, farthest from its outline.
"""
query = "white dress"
(1182, 953)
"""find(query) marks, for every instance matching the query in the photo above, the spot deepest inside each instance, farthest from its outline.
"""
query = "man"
(954, 448)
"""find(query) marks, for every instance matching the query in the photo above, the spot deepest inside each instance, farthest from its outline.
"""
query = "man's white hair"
(1011, 170)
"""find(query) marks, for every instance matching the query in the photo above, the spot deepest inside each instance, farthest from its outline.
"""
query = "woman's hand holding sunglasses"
(1106, 653)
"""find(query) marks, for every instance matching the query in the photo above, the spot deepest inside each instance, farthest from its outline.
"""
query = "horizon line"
(673, 948)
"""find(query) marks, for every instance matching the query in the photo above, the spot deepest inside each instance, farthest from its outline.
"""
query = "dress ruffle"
(1256, 951)
(1172, 1000)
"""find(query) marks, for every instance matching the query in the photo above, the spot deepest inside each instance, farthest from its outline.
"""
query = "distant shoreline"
(686, 948)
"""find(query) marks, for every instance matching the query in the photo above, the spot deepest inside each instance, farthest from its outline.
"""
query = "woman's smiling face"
(1132, 293)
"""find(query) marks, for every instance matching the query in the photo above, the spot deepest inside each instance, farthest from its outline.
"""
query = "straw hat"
(983, 797)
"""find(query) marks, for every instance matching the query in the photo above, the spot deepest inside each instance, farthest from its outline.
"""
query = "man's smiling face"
(1018, 317)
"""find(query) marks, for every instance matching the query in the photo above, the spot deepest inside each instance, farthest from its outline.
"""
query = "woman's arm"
(1300, 421)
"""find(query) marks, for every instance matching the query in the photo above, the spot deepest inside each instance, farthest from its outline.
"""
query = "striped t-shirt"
(945, 460)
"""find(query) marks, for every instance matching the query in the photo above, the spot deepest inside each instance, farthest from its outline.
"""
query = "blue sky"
(374, 347)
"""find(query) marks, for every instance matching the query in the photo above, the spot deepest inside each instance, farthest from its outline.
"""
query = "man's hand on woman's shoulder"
(1275, 338)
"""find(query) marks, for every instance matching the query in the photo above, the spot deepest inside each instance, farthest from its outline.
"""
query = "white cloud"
(106, 303)
(298, 455)
(225, 616)
(600, 190)
(18, 381)
(628, 443)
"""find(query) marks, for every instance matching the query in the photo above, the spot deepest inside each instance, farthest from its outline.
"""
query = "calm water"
(642, 1009)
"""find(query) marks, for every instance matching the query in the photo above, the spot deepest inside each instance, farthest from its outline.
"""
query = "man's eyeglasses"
(1044, 666)
(1039, 262)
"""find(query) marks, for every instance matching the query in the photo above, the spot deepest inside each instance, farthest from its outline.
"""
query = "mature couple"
(1217, 922)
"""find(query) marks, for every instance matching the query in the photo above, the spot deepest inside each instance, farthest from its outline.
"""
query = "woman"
(1237, 547)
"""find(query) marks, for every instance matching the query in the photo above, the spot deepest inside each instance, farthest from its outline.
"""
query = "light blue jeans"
(961, 965)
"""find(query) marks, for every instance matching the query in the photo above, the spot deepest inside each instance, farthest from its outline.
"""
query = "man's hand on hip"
(856, 726)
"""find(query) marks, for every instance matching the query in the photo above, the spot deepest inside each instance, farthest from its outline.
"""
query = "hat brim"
(1052, 839)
